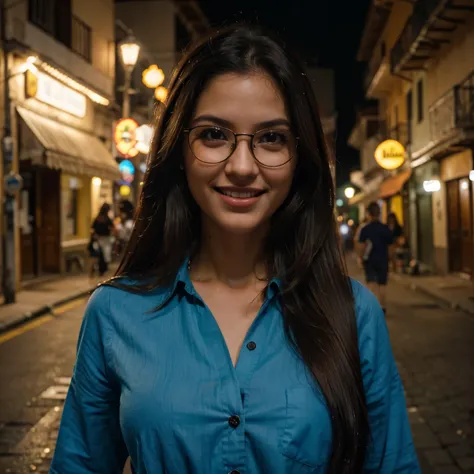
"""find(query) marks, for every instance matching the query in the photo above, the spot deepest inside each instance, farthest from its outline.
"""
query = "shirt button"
(251, 346)
(234, 421)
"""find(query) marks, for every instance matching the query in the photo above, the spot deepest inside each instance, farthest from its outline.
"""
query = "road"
(432, 345)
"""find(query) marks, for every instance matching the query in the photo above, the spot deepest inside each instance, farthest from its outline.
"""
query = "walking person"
(398, 241)
(231, 339)
(375, 252)
(103, 227)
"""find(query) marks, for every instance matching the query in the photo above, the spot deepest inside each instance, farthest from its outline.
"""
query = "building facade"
(60, 87)
(421, 72)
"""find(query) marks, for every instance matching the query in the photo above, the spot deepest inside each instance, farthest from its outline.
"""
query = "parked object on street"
(236, 251)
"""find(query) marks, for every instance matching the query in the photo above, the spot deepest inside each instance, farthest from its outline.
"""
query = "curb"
(43, 310)
(445, 302)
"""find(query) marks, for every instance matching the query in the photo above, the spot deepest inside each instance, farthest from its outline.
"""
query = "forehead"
(242, 99)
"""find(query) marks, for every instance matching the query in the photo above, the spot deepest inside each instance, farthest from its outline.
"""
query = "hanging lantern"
(161, 93)
(153, 76)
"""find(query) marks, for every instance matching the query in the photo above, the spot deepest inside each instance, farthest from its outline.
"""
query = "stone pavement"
(433, 347)
(42, 297)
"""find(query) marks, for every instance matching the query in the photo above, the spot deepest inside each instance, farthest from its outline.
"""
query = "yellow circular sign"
(125, 137)
(390, 154)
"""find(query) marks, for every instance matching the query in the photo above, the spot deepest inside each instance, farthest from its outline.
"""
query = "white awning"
(66, 148)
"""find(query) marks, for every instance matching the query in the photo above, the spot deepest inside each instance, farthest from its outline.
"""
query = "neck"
(235, 260)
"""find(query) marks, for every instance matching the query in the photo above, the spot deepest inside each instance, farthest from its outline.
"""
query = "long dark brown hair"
(303, 250)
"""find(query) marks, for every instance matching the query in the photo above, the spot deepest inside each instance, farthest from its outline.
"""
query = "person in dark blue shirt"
(231, 339)
(376, 239)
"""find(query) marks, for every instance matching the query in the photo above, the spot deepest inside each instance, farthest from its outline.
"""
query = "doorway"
(460, 225)
(40, 243)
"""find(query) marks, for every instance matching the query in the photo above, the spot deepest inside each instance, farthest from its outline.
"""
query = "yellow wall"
(396, 206)
(83, 206)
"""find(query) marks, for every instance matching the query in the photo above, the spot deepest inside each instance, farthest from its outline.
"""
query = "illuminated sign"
(52, 92)
(390, 155)
(143, 135)
(125, 137)
(128, 170)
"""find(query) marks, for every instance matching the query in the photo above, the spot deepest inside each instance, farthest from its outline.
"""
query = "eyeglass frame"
(251, 148)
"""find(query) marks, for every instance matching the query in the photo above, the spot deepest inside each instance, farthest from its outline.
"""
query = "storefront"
(455, 171)
(394, 193)
(67, 170)
(421, 196)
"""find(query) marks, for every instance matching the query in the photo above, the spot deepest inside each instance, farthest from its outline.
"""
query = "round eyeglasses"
(213, 144)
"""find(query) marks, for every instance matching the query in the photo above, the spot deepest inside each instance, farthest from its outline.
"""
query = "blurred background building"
(420, 81)
(63, 91)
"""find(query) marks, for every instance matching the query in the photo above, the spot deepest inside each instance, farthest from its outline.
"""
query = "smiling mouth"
(244, 194)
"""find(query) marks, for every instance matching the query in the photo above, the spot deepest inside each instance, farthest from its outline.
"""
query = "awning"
(67, 148)
(394, 184)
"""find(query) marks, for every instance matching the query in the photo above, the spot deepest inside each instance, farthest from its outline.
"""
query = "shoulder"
(110, 305)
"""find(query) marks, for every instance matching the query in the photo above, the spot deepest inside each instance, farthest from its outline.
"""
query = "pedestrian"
(103, 227)
(399, 241)
(376, 252)
(231, 338)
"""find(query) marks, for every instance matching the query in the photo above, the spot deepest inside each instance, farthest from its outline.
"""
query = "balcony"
(378, 79)
(452, 120)
(81, 39)
(431, 25)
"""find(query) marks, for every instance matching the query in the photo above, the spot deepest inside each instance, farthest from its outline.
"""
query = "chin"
(240, 224)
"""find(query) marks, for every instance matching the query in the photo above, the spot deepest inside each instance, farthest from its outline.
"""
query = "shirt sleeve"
(390, 447)
(90, 439)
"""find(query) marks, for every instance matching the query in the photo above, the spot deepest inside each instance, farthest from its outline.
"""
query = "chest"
(234, 313)
(179, 391)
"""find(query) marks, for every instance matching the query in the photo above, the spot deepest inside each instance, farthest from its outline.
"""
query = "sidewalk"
(36, 300)
(449, 290)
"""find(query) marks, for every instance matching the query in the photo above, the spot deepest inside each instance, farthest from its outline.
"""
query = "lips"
(243, 193)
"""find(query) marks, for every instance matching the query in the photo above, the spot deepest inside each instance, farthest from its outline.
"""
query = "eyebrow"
(225, 123)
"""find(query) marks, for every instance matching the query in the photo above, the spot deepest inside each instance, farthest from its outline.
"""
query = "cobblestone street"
(432, 345)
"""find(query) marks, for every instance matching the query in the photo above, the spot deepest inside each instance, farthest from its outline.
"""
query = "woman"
(231, 339)
(398, 241)
(103, 227)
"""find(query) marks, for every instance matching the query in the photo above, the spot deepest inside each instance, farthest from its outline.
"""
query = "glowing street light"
(161, 93)
(129, 51)
(349, 192)
(153, 76)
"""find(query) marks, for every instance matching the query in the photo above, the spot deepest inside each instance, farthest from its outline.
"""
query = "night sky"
(327, 33)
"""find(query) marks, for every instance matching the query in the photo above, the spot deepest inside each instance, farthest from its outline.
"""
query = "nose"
(241, 163)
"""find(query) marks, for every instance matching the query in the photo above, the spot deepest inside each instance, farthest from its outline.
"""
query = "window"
(419, 93)
(52, 16)
(81, 38)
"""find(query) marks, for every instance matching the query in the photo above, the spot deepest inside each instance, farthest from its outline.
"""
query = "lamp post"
(129, 51)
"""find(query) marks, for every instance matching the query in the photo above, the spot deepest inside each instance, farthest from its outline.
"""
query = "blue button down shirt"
(161, 388)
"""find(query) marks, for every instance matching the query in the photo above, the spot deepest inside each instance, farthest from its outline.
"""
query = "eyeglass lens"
(212, 144)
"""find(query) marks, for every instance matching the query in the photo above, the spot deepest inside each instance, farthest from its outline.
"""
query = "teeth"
(240, 195)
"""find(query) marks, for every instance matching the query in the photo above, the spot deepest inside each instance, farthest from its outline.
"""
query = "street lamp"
(153, 76)
(129, 51)
(349, 192)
